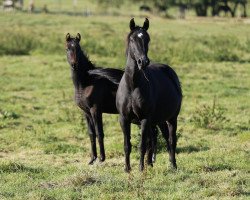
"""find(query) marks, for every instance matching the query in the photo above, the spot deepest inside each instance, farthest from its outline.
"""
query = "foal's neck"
(80, 74)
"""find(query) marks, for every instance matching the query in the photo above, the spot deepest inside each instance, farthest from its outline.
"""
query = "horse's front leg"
(145, 135)
(97, 119)
(151, 146)
(92, 136)
(125, 125)
(154, 143)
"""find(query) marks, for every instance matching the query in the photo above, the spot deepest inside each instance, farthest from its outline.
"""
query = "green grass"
(44, 145)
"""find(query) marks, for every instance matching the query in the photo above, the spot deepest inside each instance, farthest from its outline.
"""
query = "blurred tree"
(109, 3)
(201, 7)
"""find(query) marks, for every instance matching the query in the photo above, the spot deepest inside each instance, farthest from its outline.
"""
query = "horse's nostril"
(139, 61)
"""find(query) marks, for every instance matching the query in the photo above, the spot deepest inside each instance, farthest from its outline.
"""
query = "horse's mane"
(114, 75)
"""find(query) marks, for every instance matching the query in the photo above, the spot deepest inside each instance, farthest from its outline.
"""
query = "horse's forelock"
(137, 28)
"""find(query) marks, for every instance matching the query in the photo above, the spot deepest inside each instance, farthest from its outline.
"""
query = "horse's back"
(166, 91)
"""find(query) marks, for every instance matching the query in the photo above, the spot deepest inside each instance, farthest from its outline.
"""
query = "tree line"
(201, 7)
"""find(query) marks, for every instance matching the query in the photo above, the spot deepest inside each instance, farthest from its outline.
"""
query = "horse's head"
(138, 41)
(72, 49)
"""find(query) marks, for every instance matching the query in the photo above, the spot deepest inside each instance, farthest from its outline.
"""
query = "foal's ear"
(146, 24)
(78, 37)
(132, 24)
(67, 37)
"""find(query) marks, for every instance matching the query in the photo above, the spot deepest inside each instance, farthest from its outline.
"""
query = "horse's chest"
(139, 105)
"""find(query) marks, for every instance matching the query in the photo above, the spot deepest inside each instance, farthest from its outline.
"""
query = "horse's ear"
(132, 24)
(146, 24)
(67, 37)
(78, 37)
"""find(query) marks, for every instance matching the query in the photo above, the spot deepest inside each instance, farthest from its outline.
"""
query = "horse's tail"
(114, 75)
(173, 76)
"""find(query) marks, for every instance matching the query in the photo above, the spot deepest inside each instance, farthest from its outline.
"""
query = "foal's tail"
(114, 75)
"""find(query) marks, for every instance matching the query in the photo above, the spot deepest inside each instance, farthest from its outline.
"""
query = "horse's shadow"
(191, 149)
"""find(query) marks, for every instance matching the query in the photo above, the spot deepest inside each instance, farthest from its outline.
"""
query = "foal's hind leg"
(92, 136)
(172, 124)
(97, 119)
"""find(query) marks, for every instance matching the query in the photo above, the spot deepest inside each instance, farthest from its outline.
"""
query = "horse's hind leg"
(165, 133)
(172, 124)
(92, 136)
(97, 119)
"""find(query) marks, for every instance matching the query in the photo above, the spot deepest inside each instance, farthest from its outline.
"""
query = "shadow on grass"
(191, 149)
(14, 167)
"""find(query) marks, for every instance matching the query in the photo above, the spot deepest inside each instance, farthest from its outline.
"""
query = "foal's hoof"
(91, 162)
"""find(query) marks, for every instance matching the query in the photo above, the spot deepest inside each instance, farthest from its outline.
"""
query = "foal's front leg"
(145, 133)
(125, 125)
(97, 119)
(92, 136)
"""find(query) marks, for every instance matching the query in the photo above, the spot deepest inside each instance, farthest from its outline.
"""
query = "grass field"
(44, 144)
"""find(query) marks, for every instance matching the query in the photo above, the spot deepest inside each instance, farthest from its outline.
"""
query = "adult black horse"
(148, 93)
(95, 91)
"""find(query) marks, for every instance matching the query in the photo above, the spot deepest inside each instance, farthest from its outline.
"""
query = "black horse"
(95, 91)
(148, 93)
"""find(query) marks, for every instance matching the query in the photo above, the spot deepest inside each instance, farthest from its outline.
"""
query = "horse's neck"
(80, 75)
(132, 74)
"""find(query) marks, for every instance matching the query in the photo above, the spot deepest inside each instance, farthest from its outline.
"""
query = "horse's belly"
(165, 111)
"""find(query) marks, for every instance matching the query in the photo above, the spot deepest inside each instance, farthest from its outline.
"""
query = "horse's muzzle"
(143, 62)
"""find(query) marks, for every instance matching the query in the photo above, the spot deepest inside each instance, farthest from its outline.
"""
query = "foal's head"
(73, 49)
(137, 43)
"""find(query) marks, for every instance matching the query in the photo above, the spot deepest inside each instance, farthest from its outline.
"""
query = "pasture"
(44, 144)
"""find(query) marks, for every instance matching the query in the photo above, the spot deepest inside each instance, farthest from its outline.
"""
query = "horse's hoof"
(153, 158)
(91, 162)
(141, 168)
(174, 166)
(150, 164)
(102, 159)
(127, 169)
